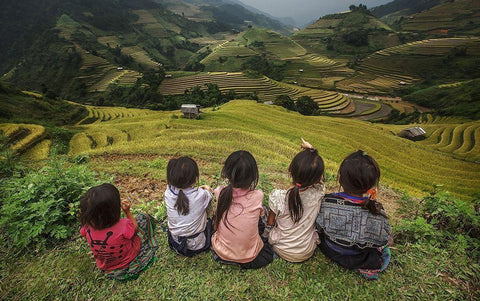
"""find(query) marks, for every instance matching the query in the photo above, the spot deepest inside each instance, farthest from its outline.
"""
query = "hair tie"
(298, 184)
(364, 153)
(312, 150)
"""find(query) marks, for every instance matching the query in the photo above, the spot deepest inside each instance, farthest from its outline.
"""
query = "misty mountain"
(231, 12)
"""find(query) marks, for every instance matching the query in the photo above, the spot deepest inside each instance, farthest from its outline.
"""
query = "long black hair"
(182, 173)
(357, 174)
(100, 206)
(306, 169)
(241, 170)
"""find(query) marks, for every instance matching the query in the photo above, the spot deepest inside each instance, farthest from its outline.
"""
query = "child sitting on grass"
(293, 212)
(189, 230)
(122, 247)
(237, 221)
(354, 227)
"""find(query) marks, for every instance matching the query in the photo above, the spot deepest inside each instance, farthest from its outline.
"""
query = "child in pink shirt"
(237, 221)
(122, 247)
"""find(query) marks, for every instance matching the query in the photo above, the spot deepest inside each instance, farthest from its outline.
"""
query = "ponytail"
(374, 207)
(295, 203)
(224, 202)
(181, 204)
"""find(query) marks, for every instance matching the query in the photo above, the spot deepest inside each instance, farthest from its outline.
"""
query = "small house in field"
(415, 133)
(191, 111)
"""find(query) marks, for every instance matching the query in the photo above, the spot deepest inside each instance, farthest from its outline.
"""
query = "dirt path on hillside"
(139, 189)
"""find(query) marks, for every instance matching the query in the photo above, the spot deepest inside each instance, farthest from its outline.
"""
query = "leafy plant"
(41, 208)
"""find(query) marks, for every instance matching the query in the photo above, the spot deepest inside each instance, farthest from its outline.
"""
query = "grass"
(68, 273)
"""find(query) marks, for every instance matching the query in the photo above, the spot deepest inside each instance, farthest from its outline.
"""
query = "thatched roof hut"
(414, 133)
(191, 111)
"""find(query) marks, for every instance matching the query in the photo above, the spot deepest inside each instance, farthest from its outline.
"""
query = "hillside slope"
(272, 134)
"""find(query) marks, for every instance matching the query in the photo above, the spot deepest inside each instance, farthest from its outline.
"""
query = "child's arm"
(206, 187)
(126, 209)
(271, 218)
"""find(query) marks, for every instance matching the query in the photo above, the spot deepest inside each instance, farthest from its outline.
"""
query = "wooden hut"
(415, 133)
(191, 111)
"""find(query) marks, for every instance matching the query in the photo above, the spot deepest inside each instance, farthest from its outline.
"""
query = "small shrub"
(41, 208)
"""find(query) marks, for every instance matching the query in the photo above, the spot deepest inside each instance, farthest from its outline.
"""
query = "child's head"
(100, 206)
(241, 170)
(306, 169)
(358, 173)
(182, 173)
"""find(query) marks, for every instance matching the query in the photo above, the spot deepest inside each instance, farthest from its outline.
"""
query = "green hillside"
(459, 17)
(397, 9)
(431, 61)
(271, 134)
(354, 32)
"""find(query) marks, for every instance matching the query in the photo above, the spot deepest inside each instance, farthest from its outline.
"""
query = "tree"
(285, 101)
(306, 106)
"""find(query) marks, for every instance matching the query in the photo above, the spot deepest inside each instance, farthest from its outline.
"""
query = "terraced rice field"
(99, 114)
(387, 70)
(450, 16)
(23, 138)
(274, 43)
(459, 140)
(272, 134)
(140, 56)
(266, 88)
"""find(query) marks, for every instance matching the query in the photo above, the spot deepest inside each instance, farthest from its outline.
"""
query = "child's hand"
(206, 187)
(125, 206)
(306, 145)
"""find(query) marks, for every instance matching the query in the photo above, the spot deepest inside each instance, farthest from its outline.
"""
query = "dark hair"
(182, 173)
(357, 174)
(100, 206)
(306, 169)
(241, 170)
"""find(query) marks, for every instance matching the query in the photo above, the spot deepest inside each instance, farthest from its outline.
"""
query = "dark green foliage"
(356, 38)
(463, 100)
(40, 209)
(17, 107)
(395, 117)
(285, 101)
(209, 97)
(306, 106)
(50, 61)
(262, 65)
(443, 221)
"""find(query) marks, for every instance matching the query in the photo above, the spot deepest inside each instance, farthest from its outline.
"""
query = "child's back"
(237, 218)
(189, 230)
(354, 227)
(295, 242)
(122, 247)
(237, 239)
(293, 212)
(194, 222)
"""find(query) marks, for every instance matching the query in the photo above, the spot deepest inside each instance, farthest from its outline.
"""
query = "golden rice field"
(26, 140)
(461, 140)
(389, 69)
(272, 134)
(266, 88)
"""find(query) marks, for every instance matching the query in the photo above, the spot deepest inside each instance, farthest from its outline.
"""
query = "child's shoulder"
(278, 194)
(257, 193)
